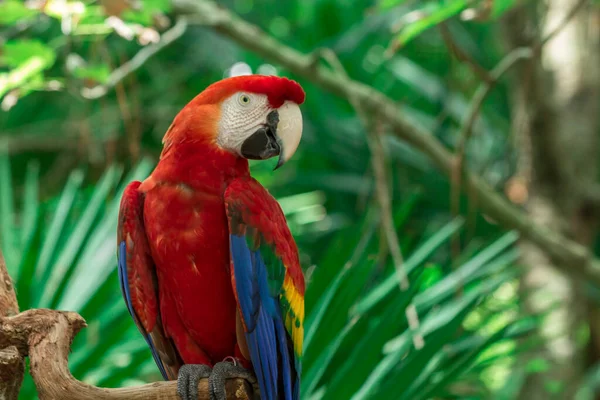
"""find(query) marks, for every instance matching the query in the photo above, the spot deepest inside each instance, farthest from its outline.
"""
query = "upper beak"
(280, 135)
(289, 131)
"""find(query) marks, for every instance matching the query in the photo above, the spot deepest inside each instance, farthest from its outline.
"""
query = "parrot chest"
(188, 235)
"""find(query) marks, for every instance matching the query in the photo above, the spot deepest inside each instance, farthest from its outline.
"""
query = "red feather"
(186, 231)
(277, 89)
(186, 226)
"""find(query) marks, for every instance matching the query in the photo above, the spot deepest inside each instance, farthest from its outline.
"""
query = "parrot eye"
(244, 99)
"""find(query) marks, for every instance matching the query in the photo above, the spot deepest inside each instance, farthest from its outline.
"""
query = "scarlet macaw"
(207, 265)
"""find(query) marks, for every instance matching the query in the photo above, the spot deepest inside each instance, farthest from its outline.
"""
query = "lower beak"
(261, 145)
(280, 135)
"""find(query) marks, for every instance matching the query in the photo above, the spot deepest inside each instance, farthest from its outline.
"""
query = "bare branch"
(12, 369)
(562, 24)
(382, 193)
(483, 90)
(8, 299)
(471, 116)
(137, 61)
(378, 161)
(574, 258)
(489, 82)
(462, 55)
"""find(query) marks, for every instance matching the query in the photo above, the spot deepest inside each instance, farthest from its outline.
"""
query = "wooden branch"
(12, 369)
(375, 137)
(8, 299)
(137, 61)
(489, 82)
(461, 55)
(494, 76)
(562, 24)
(571, 257)
(45, 336)
(469, 121)
(12, 366)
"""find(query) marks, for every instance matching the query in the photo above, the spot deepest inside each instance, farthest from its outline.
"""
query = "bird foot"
(228, 370)
(190, 375)
(188, 378)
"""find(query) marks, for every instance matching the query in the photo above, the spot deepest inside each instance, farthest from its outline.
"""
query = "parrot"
(207, 265)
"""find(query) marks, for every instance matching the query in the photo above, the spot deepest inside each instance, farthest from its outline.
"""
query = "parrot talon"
(228, 370)
(188, 378)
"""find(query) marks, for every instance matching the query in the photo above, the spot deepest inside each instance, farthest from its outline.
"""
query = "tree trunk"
(555, 124)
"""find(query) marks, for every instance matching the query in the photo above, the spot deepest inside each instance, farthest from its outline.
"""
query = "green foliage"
(61, 254)
(434, 13)
(352, 349)
(98, 73)
(12, 11)
(17, 52)
(146, 11)
(27, 60)
(60, 187)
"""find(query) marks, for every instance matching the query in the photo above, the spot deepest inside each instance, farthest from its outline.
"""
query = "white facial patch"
(242, 114)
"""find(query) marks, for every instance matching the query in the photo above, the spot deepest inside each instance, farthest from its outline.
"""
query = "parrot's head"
(253, 116)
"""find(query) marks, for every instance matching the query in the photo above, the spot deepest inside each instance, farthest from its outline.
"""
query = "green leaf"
(17, 52)
(56, 226)
(30, 202)
(538, 365)
(416, 259)
(387, 4)
(98, 73)
(311, 379)
(463, 275)
(442, 11)
(28, 58)
(314, 320)
(8, 237)
(366, 347)
(144, 15)
(425, 391)
(30, 216)
(98, 258)
(434, 329)
(13, 11)
(62, 267)
(500, 7)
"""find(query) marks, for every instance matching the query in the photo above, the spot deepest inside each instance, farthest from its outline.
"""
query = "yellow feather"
(296, 301)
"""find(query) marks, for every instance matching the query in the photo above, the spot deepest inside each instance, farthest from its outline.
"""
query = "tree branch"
(469, 121)
(12, 369)
(494, 76)
(137, 61)
(573, 257)
(461, 55)
(375, 137)
(378, 161)
(562, 24)
(45, 336)
(8, 298)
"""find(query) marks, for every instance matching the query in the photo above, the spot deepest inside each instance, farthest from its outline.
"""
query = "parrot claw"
(188, 378)
(227, 370)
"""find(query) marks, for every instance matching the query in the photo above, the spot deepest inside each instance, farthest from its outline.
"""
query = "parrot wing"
(137, 275)
(269, 287)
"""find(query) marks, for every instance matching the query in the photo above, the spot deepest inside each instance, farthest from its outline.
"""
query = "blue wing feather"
(124, 281)
(265, 333)
(285, 359)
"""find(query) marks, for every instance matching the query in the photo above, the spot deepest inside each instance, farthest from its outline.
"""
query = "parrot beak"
(289, 131)
(279, 136)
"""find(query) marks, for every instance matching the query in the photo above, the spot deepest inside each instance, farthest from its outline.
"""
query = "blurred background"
(511, 87)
